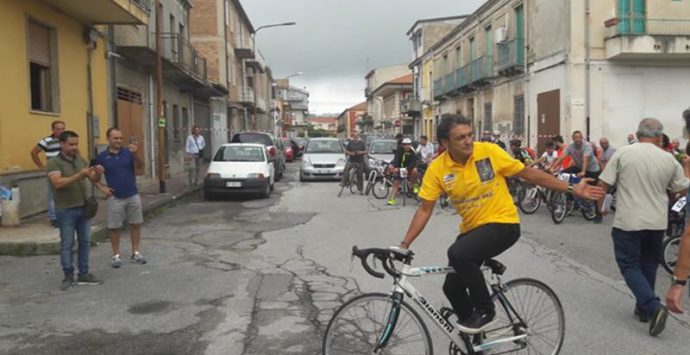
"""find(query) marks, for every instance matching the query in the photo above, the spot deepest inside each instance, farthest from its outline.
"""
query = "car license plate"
(323, 171)
(233, 184)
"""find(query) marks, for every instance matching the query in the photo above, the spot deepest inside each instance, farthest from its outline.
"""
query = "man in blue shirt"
(124, 202)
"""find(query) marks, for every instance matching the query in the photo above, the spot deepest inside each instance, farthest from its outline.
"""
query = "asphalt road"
(264, 276)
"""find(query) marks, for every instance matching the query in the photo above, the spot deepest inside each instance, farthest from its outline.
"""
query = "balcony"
(639, 37)
(243, 47)
(462, 77)
(411, 107)
(101, 12)
(448, 83)
(511, 58)
(247, 96)
(183, 66)
(481, 70)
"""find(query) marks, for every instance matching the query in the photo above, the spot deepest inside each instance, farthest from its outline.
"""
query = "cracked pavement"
(264, 277)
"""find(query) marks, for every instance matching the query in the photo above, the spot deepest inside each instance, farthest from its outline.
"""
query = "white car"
(240, 168)
(324, 158)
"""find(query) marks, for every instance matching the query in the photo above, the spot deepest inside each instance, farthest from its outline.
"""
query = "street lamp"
(255, 53)
(294, 75)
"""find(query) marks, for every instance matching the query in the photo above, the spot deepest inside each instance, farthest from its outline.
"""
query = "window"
(519, 116)
(488, 121)
(458, 58)
(185, 120)
(42, 68)
(176, 122)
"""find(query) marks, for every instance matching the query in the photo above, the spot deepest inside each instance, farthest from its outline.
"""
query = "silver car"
(323, 159)
(383, 149)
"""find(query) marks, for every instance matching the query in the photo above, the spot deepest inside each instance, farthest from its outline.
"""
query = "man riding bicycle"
(406, 158)
(473, 174)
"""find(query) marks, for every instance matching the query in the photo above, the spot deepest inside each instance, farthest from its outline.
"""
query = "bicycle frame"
(403, 287)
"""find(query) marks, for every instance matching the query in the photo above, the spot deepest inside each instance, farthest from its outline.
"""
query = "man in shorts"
(124, 202)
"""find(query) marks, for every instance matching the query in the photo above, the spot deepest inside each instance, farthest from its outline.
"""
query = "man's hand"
(584, 190)
(107, 191)
(86, 172)
(133, 148)
(98, 169)
(673, 297)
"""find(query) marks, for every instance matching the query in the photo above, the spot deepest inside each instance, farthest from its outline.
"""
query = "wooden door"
(548, 116)
(130, 118)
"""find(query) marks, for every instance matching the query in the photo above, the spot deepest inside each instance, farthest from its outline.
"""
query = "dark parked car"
(274, 146)
(298, 145)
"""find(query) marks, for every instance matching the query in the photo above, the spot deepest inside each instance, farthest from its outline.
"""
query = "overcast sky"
(335, 42)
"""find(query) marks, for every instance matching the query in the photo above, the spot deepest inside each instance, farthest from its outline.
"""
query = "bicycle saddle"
(496, 266)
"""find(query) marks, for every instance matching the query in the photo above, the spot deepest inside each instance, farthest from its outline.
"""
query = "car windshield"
(383, 147)
(247, 154)
(252, 138)
(330, 146)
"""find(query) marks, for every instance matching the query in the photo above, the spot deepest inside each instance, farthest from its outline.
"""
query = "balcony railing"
(448, 83)
(462, 77)
(481, 69)
(179, 51)
(641, 25)
(438, 87)
(511, 56)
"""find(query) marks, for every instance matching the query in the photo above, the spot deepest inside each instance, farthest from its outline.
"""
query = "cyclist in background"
(404, 158)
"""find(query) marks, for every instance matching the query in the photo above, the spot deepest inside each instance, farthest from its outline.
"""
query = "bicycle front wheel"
(669, 255)
(381, 189)
(559, 208)
(356, 327)
(530, 201)
(540, 309)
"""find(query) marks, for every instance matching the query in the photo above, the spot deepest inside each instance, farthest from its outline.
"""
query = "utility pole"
(159, 102)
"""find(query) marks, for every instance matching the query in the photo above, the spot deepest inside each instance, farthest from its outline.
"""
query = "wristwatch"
(677, 281)
(570, 189)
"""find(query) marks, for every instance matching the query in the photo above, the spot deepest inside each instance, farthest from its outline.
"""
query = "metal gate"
(130, 118)
(549, 117)
(202, 119)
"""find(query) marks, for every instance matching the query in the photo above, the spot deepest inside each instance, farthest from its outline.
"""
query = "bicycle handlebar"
(386, 256)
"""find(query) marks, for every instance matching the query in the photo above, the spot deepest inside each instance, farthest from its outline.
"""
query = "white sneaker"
(117, 262)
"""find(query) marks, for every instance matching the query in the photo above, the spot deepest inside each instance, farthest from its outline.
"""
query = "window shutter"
(39, 44)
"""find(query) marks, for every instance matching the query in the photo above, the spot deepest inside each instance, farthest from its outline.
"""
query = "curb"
(98, 232)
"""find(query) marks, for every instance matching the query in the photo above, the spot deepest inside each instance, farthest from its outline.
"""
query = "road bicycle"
(562, 205)
(671, 246)
(529, 315)
(377, 172)
(349, 180)
(382, 186)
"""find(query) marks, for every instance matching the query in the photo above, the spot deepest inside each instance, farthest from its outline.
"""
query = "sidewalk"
(36, 237)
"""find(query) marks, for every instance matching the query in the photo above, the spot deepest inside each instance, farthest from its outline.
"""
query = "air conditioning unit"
(501, 35)
(404, 108)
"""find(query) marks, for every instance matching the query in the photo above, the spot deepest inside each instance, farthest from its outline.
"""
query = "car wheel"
(267, 191)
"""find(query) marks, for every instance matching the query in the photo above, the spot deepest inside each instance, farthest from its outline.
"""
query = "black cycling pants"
(466, 255)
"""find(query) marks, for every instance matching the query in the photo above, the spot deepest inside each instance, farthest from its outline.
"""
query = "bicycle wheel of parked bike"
(381, 189)
(530, 201)
(588, 209)
(559, 208)
(371, 180)
(669, 254)
(541, 310)
(357, 326)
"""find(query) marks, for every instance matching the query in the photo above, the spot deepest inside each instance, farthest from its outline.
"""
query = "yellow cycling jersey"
(478, 188)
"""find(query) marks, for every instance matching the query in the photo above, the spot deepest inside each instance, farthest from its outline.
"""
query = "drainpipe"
(587, 69)
(89, 111)
(112, 58)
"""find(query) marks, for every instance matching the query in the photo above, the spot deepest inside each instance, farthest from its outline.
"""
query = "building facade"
(375, 79)
(352, 119)
(293, 108)
(187, 92)
(54, 55)
(602, 68)
(423, 35)
(392, 95)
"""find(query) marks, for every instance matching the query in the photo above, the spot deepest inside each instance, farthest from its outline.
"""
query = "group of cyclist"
(473, 176)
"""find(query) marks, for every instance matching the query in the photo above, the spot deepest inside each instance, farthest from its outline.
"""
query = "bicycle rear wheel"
(588, 209)
(355, 328)
(669, 254)
(540, 309)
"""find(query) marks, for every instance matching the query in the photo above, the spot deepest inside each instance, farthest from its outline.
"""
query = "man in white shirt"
(425, 150)
(195, 153)
(643, 173)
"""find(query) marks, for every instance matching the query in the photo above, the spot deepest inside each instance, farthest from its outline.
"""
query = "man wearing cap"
(497, 140)
(405, 157)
